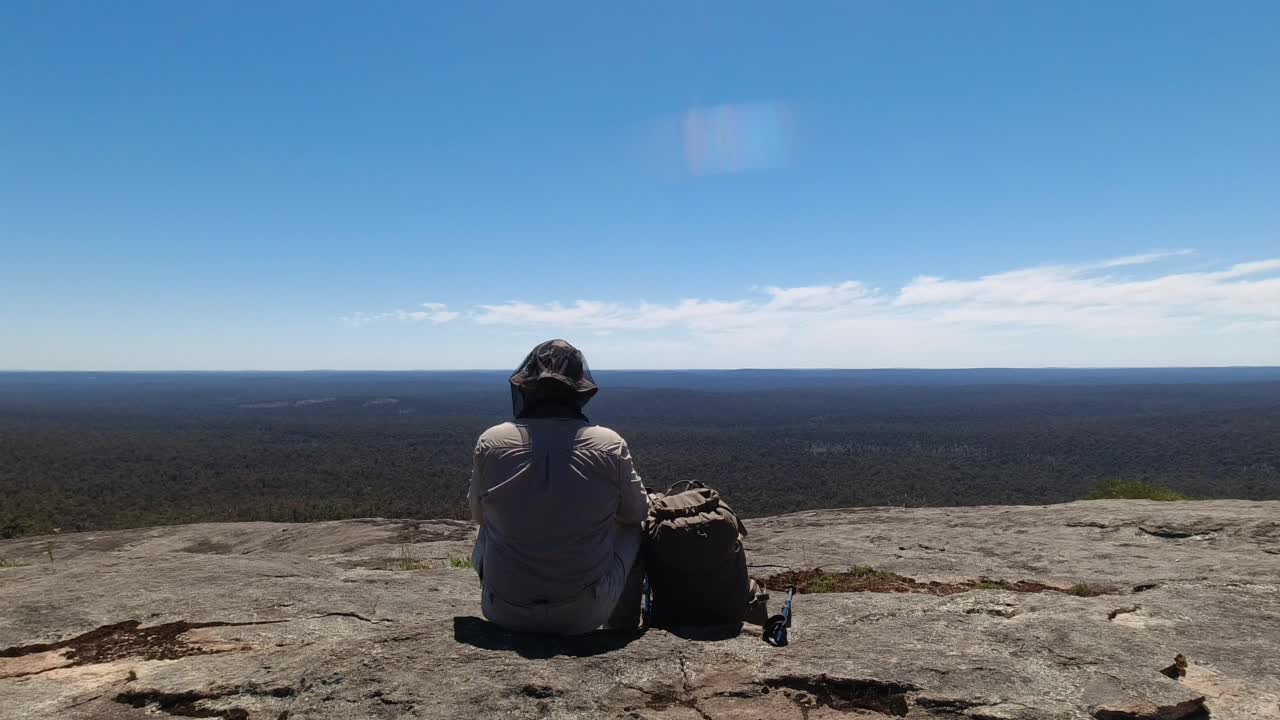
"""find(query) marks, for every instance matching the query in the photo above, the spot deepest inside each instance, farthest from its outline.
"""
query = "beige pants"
(613, 602)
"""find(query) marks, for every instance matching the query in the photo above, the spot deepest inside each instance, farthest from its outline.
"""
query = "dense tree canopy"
(79, 457)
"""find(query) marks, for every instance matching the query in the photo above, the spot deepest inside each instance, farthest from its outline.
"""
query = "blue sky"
(238, 185)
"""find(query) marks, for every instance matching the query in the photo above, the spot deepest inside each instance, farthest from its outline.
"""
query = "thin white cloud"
(1115, 311)
(819, 297)
(434, 313)
(1041, 293)
(584, 314)
(1141, 259)
(1250, 268)
(1070, 297)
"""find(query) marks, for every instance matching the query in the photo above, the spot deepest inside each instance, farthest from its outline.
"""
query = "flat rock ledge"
(371, 619)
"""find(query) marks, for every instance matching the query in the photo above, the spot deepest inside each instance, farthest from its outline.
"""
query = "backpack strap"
(684, 485)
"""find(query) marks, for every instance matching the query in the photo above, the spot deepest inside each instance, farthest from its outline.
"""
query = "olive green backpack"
(695, 560)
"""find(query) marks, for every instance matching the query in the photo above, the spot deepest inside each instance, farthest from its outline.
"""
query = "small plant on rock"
(406, 559)
(823, 584)
(1134, 490)
(1086, 590)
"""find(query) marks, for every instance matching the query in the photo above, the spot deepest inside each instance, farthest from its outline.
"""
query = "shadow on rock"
(485, 635)
(706, 633)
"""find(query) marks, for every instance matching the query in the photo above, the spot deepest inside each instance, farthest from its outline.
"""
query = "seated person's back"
(559, 505)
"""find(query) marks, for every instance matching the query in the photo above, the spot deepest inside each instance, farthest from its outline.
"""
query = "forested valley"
(85, 452)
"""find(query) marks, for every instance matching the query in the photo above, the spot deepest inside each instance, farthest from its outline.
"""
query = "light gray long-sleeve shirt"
(550, 495)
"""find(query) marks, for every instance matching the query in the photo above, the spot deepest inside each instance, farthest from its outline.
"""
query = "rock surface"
(367, 619)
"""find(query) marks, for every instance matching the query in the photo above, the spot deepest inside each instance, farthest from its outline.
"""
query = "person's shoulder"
(500, 434)
(599, 437)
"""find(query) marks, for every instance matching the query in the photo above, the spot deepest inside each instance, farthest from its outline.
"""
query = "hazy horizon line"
(690, 370)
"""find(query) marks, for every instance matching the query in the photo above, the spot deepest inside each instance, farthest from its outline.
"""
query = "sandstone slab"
(369, 619)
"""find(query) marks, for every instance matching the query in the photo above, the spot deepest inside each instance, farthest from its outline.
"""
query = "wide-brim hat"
(555, 362)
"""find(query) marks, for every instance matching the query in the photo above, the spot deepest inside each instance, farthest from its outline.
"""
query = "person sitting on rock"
(559, 506)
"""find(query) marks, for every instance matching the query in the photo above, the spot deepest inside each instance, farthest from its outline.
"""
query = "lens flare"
(735, 138)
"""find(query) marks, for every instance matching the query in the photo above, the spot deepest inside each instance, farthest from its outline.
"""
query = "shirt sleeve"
(477, 484)
(633, 504)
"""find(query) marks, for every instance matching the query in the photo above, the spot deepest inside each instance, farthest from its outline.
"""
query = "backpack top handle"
(683, 485)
